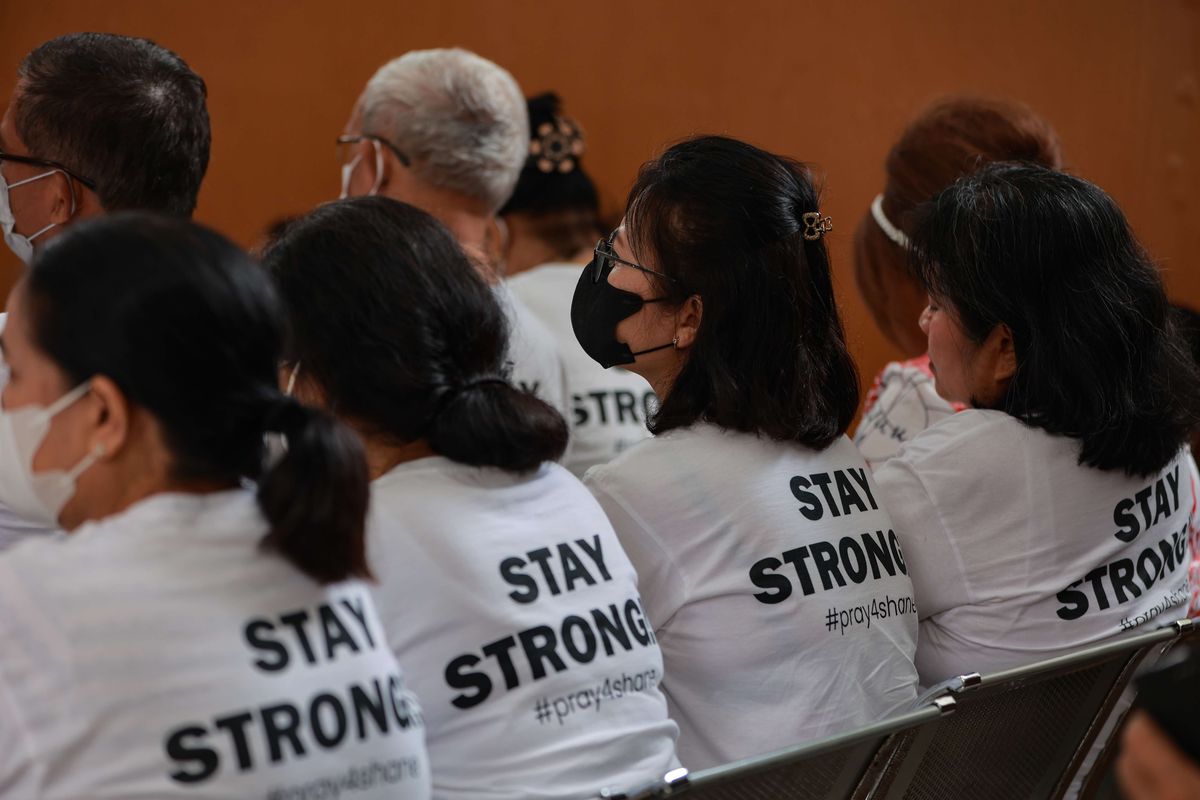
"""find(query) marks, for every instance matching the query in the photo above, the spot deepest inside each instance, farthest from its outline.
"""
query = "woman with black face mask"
(777, 588)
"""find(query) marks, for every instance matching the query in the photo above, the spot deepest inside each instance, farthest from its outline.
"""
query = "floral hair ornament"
(815, 226)
(557, 145)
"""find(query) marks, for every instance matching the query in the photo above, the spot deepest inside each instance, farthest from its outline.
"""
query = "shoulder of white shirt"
(964, 435)
(658, 453)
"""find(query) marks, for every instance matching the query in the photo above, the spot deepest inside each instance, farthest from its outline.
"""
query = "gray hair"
(459, 117)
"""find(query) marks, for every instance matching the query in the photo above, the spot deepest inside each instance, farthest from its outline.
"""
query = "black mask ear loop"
(673, 343)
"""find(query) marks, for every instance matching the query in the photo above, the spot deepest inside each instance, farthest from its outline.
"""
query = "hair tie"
(453, 392)
(484, 381)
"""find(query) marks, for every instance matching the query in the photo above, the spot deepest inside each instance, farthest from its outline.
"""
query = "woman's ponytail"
(315, 497)
(488, 422)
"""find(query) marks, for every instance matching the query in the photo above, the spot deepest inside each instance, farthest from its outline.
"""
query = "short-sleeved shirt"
(512, 605)
(160, 653)
(902, 402)
(1019, 553)
(775, 583)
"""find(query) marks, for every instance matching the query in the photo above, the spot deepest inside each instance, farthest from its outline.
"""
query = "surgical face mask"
(348, 172)
(37, 496)
(21, 245)
(596, 309)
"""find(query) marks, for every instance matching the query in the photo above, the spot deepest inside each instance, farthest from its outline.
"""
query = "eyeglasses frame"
(34, 161)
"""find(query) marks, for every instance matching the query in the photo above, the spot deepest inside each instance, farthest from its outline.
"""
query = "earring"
(675, 343)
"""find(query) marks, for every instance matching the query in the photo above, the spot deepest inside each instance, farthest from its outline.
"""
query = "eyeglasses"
(48, 164)
(605, 255)
(346, 148)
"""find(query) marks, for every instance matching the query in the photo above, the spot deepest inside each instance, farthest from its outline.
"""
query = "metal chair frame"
(893, 759)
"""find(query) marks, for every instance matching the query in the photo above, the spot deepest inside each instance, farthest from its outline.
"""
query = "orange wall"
(831, 83)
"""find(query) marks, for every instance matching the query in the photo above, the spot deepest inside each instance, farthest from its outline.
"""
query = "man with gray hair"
(448, 132)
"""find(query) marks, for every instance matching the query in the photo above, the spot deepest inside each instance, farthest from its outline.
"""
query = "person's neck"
(468, 220)
(382, 457)
(123, 495)
(468, 227)
(660, 380)
(578, 259)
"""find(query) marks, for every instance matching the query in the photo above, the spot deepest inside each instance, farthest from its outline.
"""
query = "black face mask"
(596, 309)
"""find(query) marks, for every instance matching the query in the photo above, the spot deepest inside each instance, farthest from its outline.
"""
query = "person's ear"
(1001, 357)
(109, 413)
(687, 321)
(64, 202)
(1006, 349)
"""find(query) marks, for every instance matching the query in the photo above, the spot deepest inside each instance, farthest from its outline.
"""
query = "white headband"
(895, 234)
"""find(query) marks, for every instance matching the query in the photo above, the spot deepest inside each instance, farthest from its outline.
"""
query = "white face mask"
(36, 496)
(348, 172)
(21, 245)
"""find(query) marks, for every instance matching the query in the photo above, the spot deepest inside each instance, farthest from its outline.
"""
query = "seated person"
(778, 592)
(1053, 513)
(447, 131)
(501, 583)
(190, 636)
(950, 139)
(552, 223)
(65, 156)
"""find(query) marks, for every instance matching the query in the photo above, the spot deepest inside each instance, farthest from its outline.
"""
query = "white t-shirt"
(902, 403)
(159, 653)
(516, 612)
(608, 406)
(13, 528)
(775, 584)
(537, 365)
(1018, 553)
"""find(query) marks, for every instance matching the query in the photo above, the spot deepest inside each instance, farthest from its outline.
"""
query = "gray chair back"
(1018, 733)
(1022, 732)
(833, 767)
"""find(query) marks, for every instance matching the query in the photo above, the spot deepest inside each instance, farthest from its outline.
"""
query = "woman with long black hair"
(1056, 511)
(776, 586)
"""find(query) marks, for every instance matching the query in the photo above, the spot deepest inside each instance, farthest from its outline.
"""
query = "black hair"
(1187, 323)
(554, 194)
(191, 331)
(724, 219)
(125, 113)
(1052, 257)
(404, 337)
(553, 178)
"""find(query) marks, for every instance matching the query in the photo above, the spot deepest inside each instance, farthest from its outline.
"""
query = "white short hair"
(461, 119)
